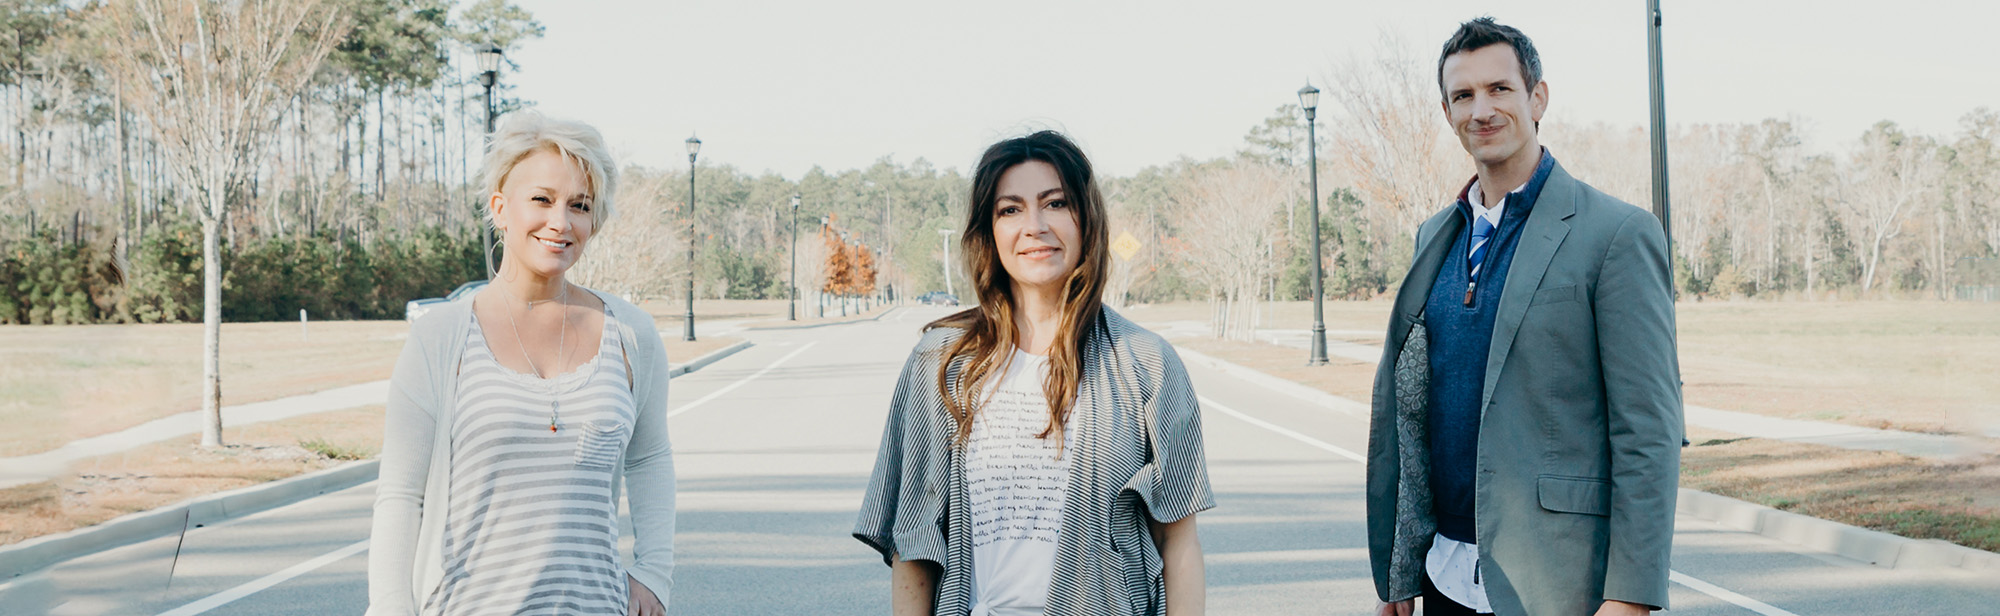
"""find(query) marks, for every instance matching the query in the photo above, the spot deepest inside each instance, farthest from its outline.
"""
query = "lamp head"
(489, 58)
(1309, 97)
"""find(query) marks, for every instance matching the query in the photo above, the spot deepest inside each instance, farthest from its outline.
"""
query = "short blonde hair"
(523, 133)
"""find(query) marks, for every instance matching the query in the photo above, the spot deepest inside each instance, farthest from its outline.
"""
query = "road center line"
(1683, 579)
(739, 383)
(249, 588)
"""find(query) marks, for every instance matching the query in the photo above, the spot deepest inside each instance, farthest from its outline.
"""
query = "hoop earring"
(491, 271)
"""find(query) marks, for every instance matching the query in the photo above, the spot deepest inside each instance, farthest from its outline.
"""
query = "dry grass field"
(62, 383)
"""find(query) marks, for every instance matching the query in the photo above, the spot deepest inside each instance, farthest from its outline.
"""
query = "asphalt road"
(773, 446)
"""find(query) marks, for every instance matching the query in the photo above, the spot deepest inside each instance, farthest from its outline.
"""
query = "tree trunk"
(211, 324)
(1808, 240)
(381, 147)
(1874, 257)
(124, 178)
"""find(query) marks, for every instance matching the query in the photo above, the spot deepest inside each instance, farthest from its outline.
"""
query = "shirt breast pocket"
(1556, 295)
(600, 444)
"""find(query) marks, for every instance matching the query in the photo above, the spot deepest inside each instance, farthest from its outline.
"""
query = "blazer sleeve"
(409, 427)
(649, 469)
(1634, 311)
(902, 509)
(1179, 467)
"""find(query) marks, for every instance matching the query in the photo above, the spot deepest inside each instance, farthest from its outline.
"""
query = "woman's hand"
(640, 600)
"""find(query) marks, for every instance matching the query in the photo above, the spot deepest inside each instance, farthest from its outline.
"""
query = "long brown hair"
(990, 336)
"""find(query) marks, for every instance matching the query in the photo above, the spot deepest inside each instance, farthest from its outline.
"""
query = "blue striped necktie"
(1481, 231)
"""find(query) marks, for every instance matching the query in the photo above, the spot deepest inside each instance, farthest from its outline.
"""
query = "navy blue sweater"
(1460, 337)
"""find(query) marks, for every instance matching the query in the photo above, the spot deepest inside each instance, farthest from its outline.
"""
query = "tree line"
(377, 145)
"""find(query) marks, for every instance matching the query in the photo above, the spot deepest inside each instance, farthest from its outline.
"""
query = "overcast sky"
(783, 86)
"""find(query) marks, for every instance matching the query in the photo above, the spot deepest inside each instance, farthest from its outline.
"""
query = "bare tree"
(213, 78)
(642, 252)
(1390, 135)
(1894, 173)
(1230, 222)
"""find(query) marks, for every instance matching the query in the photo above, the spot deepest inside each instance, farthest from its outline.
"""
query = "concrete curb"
(709, 358)
(1870, 546)
(40, 552)
(775, 328)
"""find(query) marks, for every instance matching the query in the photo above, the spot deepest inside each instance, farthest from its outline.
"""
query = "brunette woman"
(1043, 454)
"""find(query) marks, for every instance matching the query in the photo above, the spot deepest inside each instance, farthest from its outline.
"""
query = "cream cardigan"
(406, 552)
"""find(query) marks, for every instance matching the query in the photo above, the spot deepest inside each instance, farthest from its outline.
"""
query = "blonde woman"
(1043, 454)
(516, 417)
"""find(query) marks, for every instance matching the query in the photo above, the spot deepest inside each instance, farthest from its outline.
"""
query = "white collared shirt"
(1492, 215)
(1454, 570)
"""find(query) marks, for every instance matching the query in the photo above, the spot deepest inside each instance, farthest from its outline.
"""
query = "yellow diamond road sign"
(1126, 245)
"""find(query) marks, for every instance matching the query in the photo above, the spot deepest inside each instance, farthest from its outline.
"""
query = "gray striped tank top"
(533, 529)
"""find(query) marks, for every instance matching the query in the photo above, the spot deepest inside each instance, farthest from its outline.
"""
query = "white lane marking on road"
(739, 383)
(1207, 402)
(1727, 595)
(249, 588)
(1683, 579)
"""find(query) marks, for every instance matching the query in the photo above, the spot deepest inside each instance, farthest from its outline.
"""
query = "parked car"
(938, 298)
(417, 307)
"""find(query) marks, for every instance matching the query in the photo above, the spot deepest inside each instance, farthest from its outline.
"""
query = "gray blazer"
(1580, 433)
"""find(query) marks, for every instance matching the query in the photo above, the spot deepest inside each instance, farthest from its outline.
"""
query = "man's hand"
(640, 600)
(1621, 608)
(1405, 607)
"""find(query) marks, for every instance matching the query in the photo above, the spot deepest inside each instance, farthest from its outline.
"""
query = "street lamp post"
(1657, 88)
(825, 220)
(1309, 100)
(489, 74)
(792, 304)
(694, 147)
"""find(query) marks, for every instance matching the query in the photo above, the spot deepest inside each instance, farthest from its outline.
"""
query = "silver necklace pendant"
(555, 411)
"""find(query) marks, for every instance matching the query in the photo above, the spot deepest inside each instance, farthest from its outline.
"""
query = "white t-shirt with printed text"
(1015, 485)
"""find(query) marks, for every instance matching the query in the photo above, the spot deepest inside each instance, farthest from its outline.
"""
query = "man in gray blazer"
(1525, 446)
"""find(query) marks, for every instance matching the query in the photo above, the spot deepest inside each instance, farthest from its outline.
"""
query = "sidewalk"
(49, 464)
(22, 470)
(1747, 424)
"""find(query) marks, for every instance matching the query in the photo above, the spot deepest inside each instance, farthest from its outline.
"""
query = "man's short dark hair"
(1482, 32)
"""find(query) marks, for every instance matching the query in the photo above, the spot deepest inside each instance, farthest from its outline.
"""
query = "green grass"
(1959, 527)
(337, 451)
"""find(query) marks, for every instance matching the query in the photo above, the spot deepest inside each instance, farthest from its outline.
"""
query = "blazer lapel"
(1541, 237)
(1416, 288)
